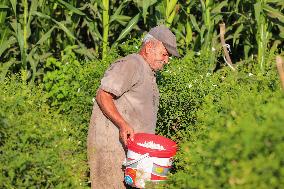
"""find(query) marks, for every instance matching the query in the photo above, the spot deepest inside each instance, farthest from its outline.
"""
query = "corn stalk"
(263, 33)
(211, 15)
(171, 11)
(105, 27)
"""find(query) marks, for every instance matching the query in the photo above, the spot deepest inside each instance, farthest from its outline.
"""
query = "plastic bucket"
(146, 162)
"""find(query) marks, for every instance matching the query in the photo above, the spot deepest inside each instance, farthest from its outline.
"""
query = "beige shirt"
(133, 82)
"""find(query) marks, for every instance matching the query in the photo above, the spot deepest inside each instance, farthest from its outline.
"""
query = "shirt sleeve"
(120, 77)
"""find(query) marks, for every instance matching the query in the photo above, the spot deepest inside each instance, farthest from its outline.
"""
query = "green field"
(226, 118)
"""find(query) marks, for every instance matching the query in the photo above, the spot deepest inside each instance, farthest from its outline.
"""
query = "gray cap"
(164, 34)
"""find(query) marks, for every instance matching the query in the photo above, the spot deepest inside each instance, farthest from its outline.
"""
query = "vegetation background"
(228, 124)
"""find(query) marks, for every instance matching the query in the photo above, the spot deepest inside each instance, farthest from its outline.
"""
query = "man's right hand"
(126, 132)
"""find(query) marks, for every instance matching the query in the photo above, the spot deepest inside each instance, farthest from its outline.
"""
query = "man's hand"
(126, 132)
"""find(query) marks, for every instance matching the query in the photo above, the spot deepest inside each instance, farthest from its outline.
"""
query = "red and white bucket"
(146, 162)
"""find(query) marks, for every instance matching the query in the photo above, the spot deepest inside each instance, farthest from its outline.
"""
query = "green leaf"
(120, 18)
(93, 29)
(65, 29)
(171, 4)
(117, 11)
(274, 13)
(60, 24)
(219, 6)
(4, 68)
(4, 45)
(194, 23)
(33, 8)
(71, 7)
(146, 5)
(33, 62)
(86, 52)
(281, 33)
(188, 37)
(13, 3)
(237, 33)
(19, 34)
(39, 14)
(4, 7)
(45, 36)
(129, 27)
(257, 10)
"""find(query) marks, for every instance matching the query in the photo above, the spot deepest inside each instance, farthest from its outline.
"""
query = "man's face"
(157, 55)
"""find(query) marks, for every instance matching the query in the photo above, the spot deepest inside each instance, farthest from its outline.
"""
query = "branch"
(280, 68)
(227, 59)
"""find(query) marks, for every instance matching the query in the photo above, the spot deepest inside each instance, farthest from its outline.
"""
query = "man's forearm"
(106, 103)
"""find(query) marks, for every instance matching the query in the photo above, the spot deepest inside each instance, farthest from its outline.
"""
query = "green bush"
(183, 85)
(228, 125)
(71, 85)
(38, 147)
(231, 128)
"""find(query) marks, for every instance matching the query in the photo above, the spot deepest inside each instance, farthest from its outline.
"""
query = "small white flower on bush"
(250, 74)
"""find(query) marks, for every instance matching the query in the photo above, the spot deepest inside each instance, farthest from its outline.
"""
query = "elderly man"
(126, 103)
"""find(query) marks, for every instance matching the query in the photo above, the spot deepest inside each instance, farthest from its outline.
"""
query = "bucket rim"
(169, 145)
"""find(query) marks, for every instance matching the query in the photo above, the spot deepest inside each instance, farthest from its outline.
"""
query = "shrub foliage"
(38, 147)
(228, 125)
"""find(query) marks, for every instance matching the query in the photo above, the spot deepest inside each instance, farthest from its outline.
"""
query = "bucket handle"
(125, 163)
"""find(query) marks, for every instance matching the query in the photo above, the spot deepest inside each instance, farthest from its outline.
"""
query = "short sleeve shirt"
(133, 83)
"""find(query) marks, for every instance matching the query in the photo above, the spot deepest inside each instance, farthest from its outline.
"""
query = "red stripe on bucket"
(169, 145)
(157, 178)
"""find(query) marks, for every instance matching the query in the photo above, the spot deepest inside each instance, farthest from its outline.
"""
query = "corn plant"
(144, 5)
(262, 13)
(171, 10)
(109, 17)
(105, 26)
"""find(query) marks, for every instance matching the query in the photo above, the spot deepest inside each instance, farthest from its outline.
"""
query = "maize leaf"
(71, 7)
(129, 27)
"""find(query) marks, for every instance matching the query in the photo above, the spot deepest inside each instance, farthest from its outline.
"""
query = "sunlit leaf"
(194, 23)
(188, 37)
(117, 12)
(4, 68)
(71, 7)
(129, 27)
(219, 6)
(13, 3)
(237, 33)
(274, 13)
(45, 36)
